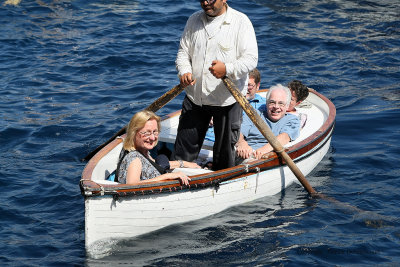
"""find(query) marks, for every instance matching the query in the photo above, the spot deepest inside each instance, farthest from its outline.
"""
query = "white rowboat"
(118, 211)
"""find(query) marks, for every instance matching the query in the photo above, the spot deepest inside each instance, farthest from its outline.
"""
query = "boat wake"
(102, 248)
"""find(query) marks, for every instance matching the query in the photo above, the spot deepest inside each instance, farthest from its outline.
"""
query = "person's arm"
(183, 59)
(243, 149)
(135, 170)
(185, 164)
(283, 139)
(288, 132)
(183, 178)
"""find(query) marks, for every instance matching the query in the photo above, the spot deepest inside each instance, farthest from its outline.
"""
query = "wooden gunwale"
(91, 188)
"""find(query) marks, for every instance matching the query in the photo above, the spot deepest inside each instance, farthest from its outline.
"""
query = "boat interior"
(316, 113)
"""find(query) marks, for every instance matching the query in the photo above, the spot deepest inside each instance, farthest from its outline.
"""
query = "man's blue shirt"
(289, 124)
(257, 102)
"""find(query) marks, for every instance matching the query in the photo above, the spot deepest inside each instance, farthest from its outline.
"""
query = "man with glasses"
(217, 41)
(252, 88)
(286, 127)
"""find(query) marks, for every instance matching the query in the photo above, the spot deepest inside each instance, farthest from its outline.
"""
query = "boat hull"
(116, 211)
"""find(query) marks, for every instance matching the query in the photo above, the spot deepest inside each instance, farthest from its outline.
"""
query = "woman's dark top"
(149, 168)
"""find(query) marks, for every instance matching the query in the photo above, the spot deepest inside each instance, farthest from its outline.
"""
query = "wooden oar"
(266, 131)
(156, 105)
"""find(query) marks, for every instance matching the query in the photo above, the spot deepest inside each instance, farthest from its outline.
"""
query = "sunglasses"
(209, 2)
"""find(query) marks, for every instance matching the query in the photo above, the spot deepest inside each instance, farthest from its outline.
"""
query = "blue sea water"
(73, 72)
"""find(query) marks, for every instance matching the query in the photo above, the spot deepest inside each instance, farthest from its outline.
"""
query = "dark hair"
(255, 74)
(299, 89)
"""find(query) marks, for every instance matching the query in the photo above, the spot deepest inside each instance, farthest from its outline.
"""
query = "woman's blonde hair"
(136, 123)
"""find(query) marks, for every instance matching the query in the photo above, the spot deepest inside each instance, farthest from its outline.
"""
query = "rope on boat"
(92, 192)
(280, 151)
(246, 166)
(101, 189)
(257, 169)
(83, 191)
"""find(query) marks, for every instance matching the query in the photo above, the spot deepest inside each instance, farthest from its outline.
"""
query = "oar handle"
(156, 105)
(267, 133)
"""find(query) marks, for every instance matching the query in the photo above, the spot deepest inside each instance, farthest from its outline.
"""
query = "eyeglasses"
(148, 134)
(251, 85)
(209, 2)
(274, 103)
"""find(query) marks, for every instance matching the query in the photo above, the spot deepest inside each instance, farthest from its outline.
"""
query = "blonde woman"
(135, 165)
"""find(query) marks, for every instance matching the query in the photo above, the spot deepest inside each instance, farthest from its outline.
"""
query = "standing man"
(217, 41)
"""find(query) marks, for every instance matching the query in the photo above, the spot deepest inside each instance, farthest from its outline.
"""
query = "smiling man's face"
(276, 105)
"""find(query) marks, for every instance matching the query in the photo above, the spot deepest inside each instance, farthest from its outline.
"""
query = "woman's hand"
(184, 179)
